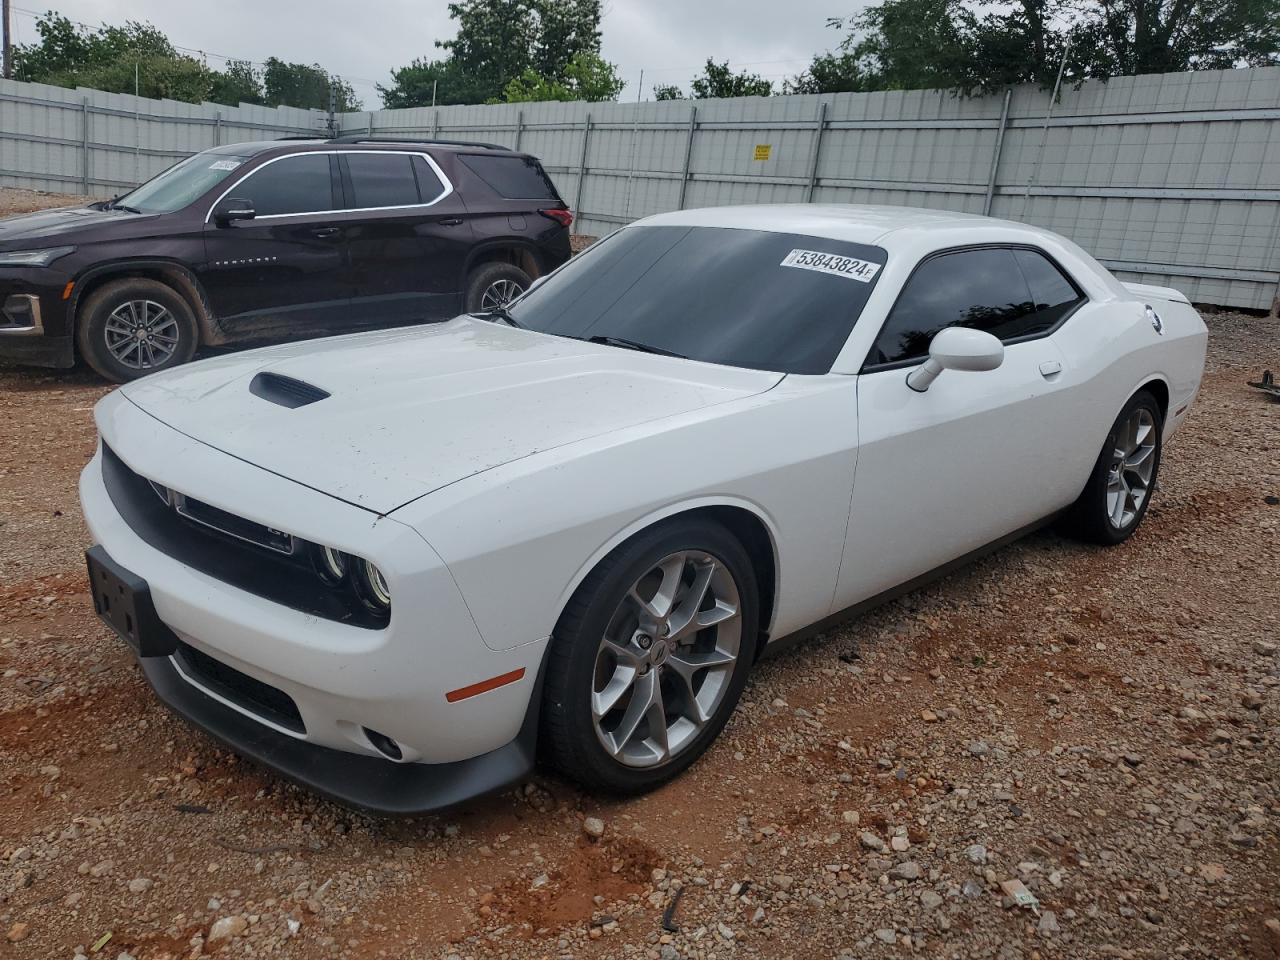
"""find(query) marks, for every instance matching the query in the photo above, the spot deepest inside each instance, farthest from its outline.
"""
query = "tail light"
(560, 216)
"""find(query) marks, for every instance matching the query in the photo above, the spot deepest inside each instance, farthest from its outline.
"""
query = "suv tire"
(134, 326)
(494, 285)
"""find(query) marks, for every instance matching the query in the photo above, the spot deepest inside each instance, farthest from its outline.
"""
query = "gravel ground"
(1100, 726)
(25, 201)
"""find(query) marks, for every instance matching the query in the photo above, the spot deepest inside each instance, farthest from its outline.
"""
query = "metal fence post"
(688, 156)
(995, 156)
(217, 128)
(84, 145)
(582, 172)
(519, 127)
(820, 125)
(435, 123)
(369, 126)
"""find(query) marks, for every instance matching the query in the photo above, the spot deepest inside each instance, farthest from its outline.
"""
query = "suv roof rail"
(361, 138)
(303, 136)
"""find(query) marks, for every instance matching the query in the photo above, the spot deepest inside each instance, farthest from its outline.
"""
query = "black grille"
(241, 689)
(286, 391)
(250, 563)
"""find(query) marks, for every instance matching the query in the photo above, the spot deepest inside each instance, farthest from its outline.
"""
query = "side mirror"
(957, 348)
(231, 209)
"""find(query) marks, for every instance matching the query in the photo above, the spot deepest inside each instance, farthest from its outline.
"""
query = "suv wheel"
(134, 326)
(494, 285)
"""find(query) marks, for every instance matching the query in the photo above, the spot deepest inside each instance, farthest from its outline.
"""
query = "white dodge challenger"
(397, 566)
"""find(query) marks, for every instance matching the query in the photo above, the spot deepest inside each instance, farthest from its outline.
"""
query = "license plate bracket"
(122, 601)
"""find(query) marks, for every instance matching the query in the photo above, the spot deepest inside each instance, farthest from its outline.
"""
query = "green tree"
(304, 85)
(667, 91)
(238, 82)
(587, 77)
(718, 80)
(830, 73)
(496, 43)
(122, 59)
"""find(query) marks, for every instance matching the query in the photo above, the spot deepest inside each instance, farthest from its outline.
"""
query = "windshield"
(182, 183)
(745, 298)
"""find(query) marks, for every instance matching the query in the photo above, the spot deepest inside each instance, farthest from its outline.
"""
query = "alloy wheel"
(1133, 463)
(141, 334)
(500, 293)
(666, 660)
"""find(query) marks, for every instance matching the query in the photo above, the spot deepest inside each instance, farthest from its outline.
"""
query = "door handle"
(325, 232)
(1050, 369)
(450, 221)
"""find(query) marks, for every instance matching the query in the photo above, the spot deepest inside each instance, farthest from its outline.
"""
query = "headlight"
(332, 565)
(373, 585)
(33, 258)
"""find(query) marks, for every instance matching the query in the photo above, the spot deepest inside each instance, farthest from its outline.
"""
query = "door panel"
(409, 250)
(947, 471)
(288, 269)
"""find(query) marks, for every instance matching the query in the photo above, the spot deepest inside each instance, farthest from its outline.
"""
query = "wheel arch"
(169, 272)
(744, 519)
(1158, 387)
(513, 250)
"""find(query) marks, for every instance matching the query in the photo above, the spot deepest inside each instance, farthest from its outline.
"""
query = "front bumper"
(33, 322)
(343, 680)
(361, 781)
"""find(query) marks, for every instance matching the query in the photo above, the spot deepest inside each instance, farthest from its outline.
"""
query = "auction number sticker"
(224, 164)
(850, 268)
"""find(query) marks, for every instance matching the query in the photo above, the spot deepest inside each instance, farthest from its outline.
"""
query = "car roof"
(252, 148)
(856, 223)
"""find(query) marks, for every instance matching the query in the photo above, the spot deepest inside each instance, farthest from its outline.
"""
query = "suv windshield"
(182, 183)
(745, 298)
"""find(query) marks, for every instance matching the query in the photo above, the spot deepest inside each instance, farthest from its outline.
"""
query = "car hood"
(412, 410)
(56, 226)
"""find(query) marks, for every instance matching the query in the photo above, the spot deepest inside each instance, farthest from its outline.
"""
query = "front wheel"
(1119, 490)
(135, 326)
(650, 657)
(494, 285)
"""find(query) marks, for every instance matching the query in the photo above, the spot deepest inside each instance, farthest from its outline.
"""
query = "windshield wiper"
(634, 345)
(122, 206)
(499, 313)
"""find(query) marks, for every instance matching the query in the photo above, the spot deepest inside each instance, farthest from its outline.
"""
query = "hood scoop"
(285, 391)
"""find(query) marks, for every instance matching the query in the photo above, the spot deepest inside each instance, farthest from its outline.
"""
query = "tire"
(497, 279)
(583, 673)
(1108, 512)
(120, 305)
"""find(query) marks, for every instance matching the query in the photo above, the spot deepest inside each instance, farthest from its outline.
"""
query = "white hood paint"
(415, 409)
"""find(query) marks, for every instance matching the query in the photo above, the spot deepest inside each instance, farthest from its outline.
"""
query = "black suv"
(277, 240)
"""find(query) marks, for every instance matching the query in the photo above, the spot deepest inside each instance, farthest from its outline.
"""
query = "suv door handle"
(326, 231)
(450, 221)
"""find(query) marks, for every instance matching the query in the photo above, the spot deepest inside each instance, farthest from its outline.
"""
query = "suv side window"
(381, 180)
(512, 176)
(1010, 293)
(297, 184)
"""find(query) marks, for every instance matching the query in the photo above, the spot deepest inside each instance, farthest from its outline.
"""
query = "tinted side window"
(1007, 293)
(382, 180)
(1055, 296)
(430, 185)
(513, 177)
(298, 184)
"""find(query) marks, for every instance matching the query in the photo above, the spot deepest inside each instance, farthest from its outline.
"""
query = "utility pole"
(8, 42)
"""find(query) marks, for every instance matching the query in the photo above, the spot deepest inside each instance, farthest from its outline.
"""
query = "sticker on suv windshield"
(849, 267)
(224, 164)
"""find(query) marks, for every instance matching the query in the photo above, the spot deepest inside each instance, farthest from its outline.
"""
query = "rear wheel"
(1124, 476)
(135, 326)
(494, 285)
(650, 657)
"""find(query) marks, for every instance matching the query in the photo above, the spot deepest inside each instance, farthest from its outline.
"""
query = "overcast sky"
(363, 41)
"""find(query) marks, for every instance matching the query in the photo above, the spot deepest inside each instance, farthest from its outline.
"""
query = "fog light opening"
(383, 744)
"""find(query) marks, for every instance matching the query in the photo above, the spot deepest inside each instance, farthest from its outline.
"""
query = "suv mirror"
(232, 209)
(957, 348)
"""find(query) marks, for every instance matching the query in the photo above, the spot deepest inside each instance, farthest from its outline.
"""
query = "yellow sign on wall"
(763, 150)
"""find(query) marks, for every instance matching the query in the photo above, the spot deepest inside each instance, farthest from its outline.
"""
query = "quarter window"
(430, 186)
(382, 180)
(1010, 293)
(298, 184)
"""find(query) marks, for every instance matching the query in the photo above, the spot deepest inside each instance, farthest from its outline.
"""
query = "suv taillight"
(562, 217)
